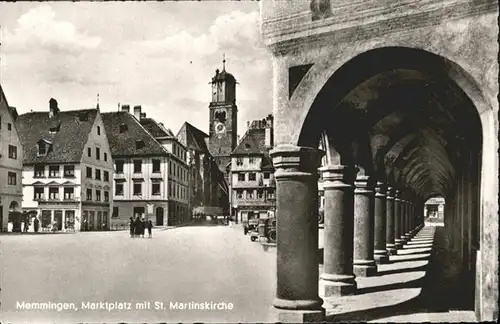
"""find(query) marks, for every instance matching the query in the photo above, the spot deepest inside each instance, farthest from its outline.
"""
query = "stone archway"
(390, 139)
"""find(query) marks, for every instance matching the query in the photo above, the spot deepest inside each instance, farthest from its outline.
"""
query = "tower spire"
(223, 61)
(97, 106)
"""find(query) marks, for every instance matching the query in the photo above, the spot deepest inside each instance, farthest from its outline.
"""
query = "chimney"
(126, 108)
(268, 139)
(53, 109)
(143, 115)
(248, 124)
(137, 112)
(13, 112)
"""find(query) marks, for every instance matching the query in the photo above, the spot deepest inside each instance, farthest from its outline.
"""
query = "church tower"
(223, 117)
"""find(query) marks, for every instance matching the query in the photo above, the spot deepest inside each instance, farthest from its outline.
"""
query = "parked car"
(250, 225)
(267, 230)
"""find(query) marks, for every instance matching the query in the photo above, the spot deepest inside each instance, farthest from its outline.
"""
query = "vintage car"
(267, 230)
(250, 225)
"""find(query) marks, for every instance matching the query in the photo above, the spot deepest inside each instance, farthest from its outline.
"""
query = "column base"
(382, 259)
(301, 316)
(365, 270)
(338, 285)
(391, 249)
(398, 244)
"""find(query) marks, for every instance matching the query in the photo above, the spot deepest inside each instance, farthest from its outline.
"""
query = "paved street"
(199, 264)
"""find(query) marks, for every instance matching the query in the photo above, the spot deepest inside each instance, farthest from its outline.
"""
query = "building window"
(69, 170)
(239, 193)
(53, 171)
(39, 171)
(69, 193)
(98, 130)
(97, 153)
(252, 176)
(266, 175)
(106, 196)
(251, 160)
(241, 177)
(139, 144)
(105, 156)
(260, 193)
(12, 152)
(123, 128)
(53, 193)
(12, 178)
(98, 195)
(115, 212)
(119, 189)
(156, 166)
(89, 172)
(106, 175)
(89, 151)
(270, 193)
(137, 188)
(42, 148)
(97, 174)
(39, 194)
(89, 194)
(137, 166)
(250, 194)
(239, 161)
(9, 126)
(156, 189)
(119, 166)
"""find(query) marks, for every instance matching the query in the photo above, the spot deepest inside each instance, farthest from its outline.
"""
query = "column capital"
(397, 194)
(363, 184)
(380, 189)
(338, 176)
(390, 192)
(295, 161)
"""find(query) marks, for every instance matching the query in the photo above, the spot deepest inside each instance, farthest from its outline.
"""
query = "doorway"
(159, 216)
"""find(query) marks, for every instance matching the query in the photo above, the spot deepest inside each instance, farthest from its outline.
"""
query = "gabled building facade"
(209, 192)
(11, 161)
(178, 171)
(67, 169)
(253, 188)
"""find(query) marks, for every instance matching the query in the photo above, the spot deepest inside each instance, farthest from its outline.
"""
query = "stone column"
(389, 235)
(397, 220)
(337, 277)
(364, 262)
(380, 252)
(296, 177)
(407, 220)
(403, 221)
(412, 219)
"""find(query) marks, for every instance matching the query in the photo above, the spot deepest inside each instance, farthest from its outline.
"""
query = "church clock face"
(220, 128)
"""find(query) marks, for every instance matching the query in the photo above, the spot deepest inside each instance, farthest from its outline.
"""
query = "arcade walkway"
(411, 288)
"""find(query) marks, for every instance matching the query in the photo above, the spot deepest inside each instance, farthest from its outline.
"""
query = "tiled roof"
(253, 142)
(192, 137)
(67, 144)
(124, 144)
(152, 126)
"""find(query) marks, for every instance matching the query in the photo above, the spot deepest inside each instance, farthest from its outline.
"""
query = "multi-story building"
(178, 170)
(252, 174)
(67, 168)
(209, 193)
(11, 163)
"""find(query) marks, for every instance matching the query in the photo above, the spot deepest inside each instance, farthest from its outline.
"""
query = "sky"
(160, 55)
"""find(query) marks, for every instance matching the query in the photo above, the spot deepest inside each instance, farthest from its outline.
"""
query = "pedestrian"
(26, 224)
(137, 227)
(132, 226)
(150, 229)
(143, 227)
(36, 224)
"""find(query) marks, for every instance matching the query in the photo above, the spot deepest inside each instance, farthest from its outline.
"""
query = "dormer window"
(139, 144)
(43, 147)
(123, 128)
(55, 129)
(247, 146)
